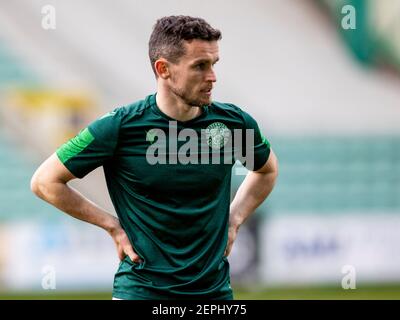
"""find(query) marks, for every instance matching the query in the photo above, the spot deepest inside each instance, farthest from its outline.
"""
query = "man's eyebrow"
(205, 60)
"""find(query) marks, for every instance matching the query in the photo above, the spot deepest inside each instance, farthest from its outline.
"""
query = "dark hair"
(168, 34)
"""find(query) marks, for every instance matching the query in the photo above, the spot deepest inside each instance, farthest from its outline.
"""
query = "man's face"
(193, 76)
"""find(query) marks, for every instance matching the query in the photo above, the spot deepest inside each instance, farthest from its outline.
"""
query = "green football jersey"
(170, 182)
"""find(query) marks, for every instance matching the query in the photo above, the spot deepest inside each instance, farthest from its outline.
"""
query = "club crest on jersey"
(217, 135)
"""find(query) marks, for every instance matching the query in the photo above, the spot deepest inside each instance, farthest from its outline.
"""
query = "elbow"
(275, 171)
(37, 184)
(276, 168)
(275, 175)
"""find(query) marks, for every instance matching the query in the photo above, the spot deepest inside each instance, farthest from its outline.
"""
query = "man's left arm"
(252, 192)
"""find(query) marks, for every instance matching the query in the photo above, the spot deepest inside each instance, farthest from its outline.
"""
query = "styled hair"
(169, 32)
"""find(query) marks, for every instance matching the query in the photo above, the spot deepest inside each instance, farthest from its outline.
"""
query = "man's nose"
(211, 76)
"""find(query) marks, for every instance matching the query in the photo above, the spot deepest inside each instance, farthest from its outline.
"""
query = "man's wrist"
(235, 220)
(112, 224)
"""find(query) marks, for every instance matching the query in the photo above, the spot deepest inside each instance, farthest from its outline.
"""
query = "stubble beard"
(185, 97)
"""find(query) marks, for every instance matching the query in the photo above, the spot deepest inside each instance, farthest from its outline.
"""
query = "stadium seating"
(336, 174)
(17, 202)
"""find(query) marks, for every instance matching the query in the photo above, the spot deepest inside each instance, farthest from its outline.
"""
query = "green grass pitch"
(374, 292)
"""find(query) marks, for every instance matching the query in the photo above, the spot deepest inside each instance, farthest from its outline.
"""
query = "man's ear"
(162, 68)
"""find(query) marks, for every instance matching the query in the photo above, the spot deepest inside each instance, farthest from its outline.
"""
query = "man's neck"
(175, 108)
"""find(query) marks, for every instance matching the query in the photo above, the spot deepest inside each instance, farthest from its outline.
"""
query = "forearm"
(252, 192)
(69, 200)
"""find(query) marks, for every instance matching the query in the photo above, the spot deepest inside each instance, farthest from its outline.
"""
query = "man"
(175, 225)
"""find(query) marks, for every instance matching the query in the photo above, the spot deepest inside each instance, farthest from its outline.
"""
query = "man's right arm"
(50, 183)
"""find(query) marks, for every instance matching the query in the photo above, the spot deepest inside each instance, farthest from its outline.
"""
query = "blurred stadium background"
(327, 97)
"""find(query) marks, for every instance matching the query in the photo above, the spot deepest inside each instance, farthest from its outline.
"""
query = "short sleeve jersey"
(169, 182)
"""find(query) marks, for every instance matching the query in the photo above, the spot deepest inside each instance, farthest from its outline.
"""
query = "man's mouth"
(207, 91)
